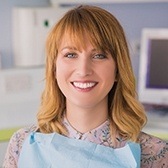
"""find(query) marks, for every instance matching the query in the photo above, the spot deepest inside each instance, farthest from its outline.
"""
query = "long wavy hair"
(126, 114)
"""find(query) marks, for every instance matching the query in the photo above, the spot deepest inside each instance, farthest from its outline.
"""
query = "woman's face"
(84, 75)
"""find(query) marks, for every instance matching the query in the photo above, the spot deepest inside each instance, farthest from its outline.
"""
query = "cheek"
(60, 78)
(60, 68)
(62, 74)
(59, 72)
(108, 72)
(109, 77)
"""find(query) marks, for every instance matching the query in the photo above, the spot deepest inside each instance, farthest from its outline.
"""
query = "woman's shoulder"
(19, 136)
(154, 151)
(22, 133)
(26, 130)
(15, 145)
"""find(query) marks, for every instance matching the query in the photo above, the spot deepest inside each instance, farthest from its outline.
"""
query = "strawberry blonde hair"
(126, 114)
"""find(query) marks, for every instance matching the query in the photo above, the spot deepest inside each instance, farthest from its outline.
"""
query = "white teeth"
(83, 85)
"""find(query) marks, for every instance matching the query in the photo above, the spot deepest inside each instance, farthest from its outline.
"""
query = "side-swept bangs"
(100, 29)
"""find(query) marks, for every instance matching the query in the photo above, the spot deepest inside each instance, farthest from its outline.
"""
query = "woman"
(89, 114)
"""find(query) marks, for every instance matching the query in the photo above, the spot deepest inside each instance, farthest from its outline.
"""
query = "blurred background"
(23, 29)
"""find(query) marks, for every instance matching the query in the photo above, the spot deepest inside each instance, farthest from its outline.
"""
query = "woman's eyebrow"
(76, 49)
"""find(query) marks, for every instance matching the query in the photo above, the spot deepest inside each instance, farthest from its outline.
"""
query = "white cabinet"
(30, 28)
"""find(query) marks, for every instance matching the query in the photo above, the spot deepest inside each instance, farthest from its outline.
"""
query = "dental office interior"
(23, 30)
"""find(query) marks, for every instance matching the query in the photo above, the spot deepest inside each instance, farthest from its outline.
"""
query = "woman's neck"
(84, 120)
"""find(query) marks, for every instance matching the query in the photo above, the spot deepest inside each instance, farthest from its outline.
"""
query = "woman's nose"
(84, 67)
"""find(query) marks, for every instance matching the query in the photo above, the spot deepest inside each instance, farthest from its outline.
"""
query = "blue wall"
(133, 16)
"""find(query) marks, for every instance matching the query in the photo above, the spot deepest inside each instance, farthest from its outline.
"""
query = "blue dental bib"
(56, 151)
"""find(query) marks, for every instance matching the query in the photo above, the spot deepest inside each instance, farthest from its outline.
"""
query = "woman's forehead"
(76, 40)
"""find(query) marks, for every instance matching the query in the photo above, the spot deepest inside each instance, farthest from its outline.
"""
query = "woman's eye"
(100, 56)
(70, 55)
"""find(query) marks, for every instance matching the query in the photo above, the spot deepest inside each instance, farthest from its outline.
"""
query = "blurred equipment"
(153, 73)
(30, 28)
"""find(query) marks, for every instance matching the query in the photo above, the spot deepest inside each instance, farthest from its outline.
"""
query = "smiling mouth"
(84, 85)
